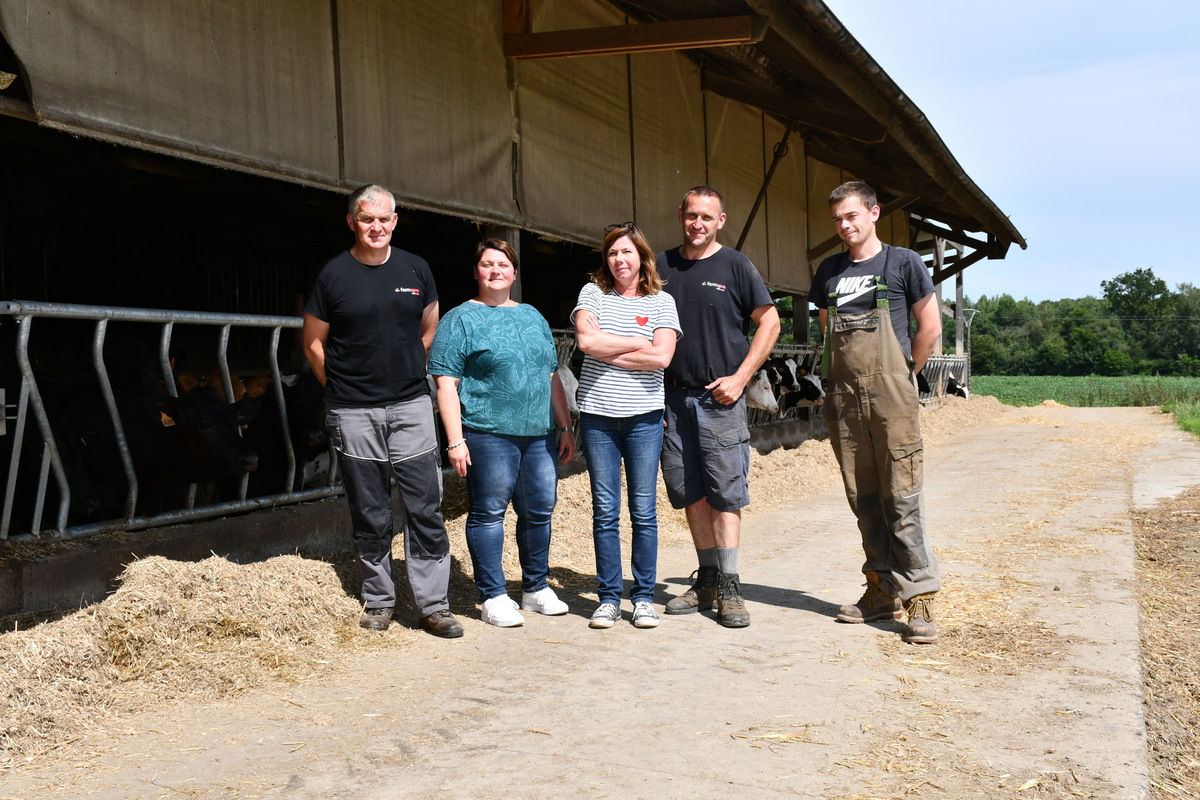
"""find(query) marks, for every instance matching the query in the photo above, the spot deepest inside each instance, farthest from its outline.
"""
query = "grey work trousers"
(375, 445)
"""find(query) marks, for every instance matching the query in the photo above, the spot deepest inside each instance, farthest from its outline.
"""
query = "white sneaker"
(502, 612)
(605, 616)
(543, 601)
(644, 615)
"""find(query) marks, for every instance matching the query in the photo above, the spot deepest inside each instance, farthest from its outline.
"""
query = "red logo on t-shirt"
(642, 320)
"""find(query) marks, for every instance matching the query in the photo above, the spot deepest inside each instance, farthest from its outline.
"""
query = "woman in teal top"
(494, 361)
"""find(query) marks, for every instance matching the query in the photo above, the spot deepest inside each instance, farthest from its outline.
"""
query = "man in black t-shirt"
(368, 324)
(865, 297)
(706, 446)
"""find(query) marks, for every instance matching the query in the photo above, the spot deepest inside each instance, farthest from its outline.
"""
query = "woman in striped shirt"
(627, 327)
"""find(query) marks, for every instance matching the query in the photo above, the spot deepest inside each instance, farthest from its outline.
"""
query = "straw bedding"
(214, 628)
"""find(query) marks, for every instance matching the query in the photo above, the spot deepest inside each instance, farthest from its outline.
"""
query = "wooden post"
(939, 263)
(959, 315)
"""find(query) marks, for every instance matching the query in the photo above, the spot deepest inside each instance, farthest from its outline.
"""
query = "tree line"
(1139, 327)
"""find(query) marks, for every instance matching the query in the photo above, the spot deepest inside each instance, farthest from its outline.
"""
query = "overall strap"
(826, 349)
(881, 301)
(881, 288)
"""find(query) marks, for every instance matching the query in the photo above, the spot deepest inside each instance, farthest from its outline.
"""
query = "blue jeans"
(638, 441)
(523, 470)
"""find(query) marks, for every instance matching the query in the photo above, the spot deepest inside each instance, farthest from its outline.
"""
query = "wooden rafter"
(647, 37)
(865, 163)
(955, 235)
(516, 17)
(809, 114)
(957, 265)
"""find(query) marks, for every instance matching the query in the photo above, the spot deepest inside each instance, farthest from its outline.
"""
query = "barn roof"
(305, 98)
(809, 71)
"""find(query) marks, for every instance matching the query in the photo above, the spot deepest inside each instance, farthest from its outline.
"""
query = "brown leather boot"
(731, 608)
(701, 597)
(875, 605)
(376, 619)
(921, 629)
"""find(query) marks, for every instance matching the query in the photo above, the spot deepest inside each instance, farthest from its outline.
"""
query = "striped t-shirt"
(613, 391)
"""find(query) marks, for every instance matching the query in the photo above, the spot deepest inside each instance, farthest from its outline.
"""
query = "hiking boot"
(921, 629)
(376, 619)
(731, 608)
(701, 597)
(443, 624)
(644, 615)
(875, 605)
(604, 616)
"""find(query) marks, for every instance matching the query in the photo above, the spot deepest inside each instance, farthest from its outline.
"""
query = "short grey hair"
(367, 194)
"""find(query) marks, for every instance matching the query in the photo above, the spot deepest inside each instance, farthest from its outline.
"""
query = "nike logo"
(849, 288)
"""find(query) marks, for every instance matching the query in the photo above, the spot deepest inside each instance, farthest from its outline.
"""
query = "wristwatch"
(566, 428)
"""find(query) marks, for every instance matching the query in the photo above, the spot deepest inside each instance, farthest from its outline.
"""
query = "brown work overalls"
(872, 409)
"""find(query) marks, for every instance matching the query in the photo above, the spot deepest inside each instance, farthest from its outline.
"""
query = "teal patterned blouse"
(504, 357)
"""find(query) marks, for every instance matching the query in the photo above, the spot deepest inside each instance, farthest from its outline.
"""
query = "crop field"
(1137, 390)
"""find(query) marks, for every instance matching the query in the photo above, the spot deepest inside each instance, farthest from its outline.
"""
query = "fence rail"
(30, 405)
(30, 401)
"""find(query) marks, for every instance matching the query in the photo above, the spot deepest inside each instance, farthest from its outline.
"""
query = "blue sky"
(1079, 119)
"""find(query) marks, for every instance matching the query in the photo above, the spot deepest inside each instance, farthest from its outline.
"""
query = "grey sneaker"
(701, 597)
(605, 616)
(644, 615)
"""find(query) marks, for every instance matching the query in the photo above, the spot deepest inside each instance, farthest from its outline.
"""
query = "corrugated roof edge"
(918, 135)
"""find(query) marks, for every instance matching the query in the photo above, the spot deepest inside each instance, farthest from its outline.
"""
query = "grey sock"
(727, 558)
(708, 557)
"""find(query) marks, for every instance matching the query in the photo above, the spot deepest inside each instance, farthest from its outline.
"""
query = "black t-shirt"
(715, 297)
(374, 354)
(906, 276)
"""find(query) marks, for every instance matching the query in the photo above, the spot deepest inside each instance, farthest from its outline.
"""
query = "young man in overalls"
(865, 297)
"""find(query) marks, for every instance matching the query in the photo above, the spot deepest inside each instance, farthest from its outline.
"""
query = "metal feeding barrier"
(938, 370)
(30, 402)
(49, 468)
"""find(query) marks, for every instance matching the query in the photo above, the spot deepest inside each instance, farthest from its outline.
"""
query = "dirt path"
(1033, 692)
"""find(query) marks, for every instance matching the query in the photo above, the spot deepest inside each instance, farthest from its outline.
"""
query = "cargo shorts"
(706, 450)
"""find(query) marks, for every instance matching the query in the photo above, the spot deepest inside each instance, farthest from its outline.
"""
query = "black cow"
(304, 401)
(786, 370)
(85, 502)
(173, 442)
(807, 395)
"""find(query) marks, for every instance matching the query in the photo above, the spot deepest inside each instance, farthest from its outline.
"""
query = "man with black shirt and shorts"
(706, 447)
(865, 297)
(368, 324)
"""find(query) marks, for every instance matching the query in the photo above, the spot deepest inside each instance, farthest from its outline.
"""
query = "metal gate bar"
(30, 401)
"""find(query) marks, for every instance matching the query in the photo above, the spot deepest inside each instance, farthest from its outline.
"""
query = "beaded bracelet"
(456, 444)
